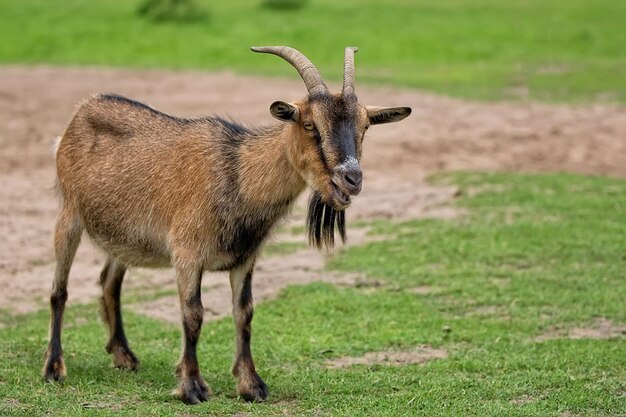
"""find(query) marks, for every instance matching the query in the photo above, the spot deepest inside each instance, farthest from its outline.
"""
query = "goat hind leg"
(66, 239)
(111, 279)
(250, 386)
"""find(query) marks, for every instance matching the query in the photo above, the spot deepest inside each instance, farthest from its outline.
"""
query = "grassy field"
(533, 254)
(559, 50)
(534, 259)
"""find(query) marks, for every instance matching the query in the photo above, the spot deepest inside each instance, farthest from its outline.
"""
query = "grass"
(536, 252)
(283, 248)
(559, 50)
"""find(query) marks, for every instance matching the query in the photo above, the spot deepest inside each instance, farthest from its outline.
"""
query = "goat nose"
(353, 180)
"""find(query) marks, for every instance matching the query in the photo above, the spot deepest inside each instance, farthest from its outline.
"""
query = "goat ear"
(380, 115)
(285, 111)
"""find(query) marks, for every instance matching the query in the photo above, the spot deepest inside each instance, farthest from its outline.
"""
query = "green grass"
(559, 50)
(283, 248)
(534, 252)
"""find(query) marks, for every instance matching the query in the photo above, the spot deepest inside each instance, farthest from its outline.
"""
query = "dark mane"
(139, 105)
(230, 126)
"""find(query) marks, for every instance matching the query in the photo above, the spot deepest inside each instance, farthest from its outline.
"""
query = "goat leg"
(250, 386)
(111, 279)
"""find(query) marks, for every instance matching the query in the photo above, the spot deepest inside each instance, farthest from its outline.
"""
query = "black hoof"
(54, 370)
(252, 389)
(193, 390)
(124, 358)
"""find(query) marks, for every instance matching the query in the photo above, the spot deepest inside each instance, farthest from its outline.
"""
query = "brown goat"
(153, 190)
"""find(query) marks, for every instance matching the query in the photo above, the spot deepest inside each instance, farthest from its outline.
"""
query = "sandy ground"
(442, 134)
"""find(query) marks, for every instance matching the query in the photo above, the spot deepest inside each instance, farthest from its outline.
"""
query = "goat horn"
(348, 70)
(310, 75)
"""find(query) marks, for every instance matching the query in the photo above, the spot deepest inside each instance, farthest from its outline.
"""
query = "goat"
(154, 190)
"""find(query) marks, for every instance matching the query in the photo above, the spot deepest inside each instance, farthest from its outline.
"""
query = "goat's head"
(328, 130)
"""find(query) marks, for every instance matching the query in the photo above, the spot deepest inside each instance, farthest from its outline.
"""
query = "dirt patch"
(423, 290)
(570, 414)
(526, 398)
(602, 328)
(488, 310)
(420, 355)
(36, 104)
(270, 277)
(13, 402)
(102, 406)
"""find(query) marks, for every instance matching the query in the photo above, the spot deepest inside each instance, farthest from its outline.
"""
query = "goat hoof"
(54, 369)
(252, 388)
(124, 358)
(193, 390)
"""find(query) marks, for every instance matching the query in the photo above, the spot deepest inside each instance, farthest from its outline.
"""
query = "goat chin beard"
(321, 220)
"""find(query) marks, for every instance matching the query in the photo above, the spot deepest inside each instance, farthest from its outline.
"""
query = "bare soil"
(601, 328)
(422, 354)
(442, 134)
(526, 399)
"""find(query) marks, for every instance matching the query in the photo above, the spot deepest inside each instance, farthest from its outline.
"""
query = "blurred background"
(558, 50)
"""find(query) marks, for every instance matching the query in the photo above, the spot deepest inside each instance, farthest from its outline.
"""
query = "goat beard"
(321, 221)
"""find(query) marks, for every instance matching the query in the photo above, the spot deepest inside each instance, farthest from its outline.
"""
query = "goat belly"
(132, 251)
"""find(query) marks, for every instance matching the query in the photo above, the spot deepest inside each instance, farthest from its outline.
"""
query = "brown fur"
(111, 279)
(200, 195)
(250, 386)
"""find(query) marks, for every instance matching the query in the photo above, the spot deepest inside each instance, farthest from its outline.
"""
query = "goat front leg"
(250, 386)
(192, 389)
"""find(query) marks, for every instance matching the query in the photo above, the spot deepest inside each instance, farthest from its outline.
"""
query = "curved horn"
(348, 70)
(310, 75)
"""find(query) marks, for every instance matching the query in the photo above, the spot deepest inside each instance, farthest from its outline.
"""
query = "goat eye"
(308, 126)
